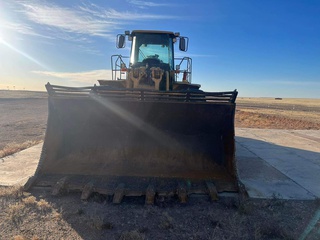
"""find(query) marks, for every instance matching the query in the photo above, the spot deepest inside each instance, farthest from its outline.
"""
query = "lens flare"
(30, 58)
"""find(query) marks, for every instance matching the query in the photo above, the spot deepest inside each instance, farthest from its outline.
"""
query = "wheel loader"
(149, 131)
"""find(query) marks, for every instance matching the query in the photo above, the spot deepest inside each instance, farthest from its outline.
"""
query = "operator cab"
(152, 49)
(151, 62)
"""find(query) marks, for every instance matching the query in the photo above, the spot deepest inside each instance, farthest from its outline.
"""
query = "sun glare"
(1, 34)
(30, 58)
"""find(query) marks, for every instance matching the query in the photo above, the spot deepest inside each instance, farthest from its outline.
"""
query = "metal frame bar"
(143, 94)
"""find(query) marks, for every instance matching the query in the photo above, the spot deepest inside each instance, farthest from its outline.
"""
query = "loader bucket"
(133, 142)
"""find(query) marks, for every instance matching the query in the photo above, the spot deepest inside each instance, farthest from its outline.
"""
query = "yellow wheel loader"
(146, 132)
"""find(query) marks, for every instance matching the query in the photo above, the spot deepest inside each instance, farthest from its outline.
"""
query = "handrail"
(116, 66)
(142, 94)
(188, 70)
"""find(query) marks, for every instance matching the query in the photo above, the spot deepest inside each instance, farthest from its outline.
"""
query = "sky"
(267, 48)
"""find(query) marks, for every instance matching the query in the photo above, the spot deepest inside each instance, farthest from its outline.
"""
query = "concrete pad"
(262, 180)
(17, 168)
(282, 163)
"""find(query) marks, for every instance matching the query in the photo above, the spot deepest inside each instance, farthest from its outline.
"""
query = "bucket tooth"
(30, 182)
(150, 193)
(87, 191)
(213, 193)
(182, 193)
(59, 187)
(119, 193)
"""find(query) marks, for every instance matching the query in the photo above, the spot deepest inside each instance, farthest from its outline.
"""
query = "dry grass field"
(37, 215)
(278, 114)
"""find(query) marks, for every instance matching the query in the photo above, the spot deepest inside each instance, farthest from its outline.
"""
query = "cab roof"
(151, 31)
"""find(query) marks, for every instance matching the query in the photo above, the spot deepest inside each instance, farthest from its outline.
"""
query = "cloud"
(111, 13)
(84, 77)
(82, 24)
(67, 19)
(85, 19)
(144, 4)
(18, 27)
(119, 16)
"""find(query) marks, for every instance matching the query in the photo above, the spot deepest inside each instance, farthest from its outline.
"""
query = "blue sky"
(265, 48)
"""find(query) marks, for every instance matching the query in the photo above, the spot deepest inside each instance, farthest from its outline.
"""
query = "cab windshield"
(156, 46)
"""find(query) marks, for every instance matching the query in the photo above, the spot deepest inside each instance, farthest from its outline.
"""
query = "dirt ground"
(38, 215)
(23, 117)
(278, 114)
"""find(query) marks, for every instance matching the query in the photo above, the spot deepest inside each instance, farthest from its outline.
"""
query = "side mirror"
(121, 41)
(183, 44)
